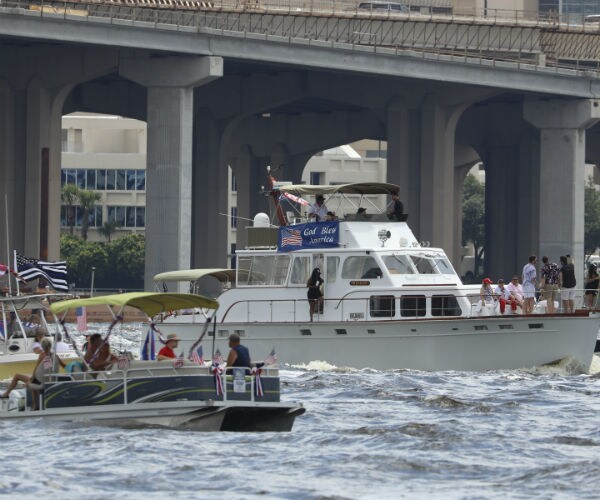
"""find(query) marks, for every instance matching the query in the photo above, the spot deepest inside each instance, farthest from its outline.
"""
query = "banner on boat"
(310, 235)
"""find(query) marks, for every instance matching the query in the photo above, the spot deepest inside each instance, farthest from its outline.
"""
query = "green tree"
(474, 218)
(81, 256)
(127, 258)
(592, 218)
(108, 229)
(69, 196)
(87, 200)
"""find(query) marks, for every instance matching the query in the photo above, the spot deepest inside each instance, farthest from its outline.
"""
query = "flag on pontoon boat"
(2, 334)
(123, 362)
(218, 358)
(295, 199)
(198, 356)
(81, 314)
(55, 273)
(271, 359)
(178, 363)
(3, 269)
(148, 347)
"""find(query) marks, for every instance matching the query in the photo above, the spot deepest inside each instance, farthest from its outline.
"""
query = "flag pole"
(7, 241)
(17, 272)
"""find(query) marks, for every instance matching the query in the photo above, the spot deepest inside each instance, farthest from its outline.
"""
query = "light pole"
(92, 282)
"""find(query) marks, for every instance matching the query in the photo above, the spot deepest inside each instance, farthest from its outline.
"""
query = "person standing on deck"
(549, 284)
(567, 283)
(318, 210)
(529, 284)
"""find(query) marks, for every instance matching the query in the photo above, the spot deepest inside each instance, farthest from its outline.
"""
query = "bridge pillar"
(562, 127)
(170, 82)
(403, 157)
(437, 202)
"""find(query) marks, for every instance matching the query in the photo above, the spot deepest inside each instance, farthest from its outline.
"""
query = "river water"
(366, 434)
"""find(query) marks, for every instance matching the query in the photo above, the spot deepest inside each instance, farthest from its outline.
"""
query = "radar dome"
(261, 220)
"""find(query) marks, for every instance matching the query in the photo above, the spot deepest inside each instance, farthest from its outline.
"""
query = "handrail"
(538, 31)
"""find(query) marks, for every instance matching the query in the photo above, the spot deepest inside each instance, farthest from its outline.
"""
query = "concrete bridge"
(246, 86)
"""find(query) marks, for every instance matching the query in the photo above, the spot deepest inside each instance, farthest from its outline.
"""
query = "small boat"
(390, 300)
(16, 330)
(180, 394)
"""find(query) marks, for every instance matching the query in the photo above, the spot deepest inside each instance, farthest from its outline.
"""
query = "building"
(107, 154)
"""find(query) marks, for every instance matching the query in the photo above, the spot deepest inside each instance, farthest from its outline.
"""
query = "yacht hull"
(465, 344)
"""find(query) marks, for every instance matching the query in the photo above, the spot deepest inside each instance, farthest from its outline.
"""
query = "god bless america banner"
(309, 235)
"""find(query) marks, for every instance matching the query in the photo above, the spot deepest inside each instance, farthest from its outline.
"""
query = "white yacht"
(389, 301)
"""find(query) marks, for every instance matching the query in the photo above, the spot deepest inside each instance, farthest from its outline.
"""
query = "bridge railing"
(430, 27)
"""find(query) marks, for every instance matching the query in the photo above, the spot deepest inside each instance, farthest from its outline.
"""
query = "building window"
(101, 179)
(64, 140)
(110, 180)
(120, 181)
(140, 180)
(131, 182)
(117, 214)
(233, 221)
(316, 178)
(140, 217)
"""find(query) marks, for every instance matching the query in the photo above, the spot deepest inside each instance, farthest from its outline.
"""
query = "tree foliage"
(87, 200)
(119, 264)
(474, 217)
(592, 218)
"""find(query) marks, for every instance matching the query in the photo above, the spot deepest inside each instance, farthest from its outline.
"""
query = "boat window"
(300, 270)
(445, 305)
(333, 263)
(382, 306)
(398, 264)
(263, 270)
(412, 305)
(423, 264)
(360, 267)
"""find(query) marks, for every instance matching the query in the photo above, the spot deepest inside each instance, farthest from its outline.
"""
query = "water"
(366, 434)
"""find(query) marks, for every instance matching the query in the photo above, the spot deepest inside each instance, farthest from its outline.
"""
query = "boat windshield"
(432, 264)
(263, 270)
(398, 264)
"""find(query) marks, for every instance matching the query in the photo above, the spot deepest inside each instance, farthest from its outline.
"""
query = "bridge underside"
(205, 113)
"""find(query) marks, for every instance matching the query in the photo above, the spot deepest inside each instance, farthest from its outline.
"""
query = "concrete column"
(437, 189)
(7, 167)
(562, 127)
(170, 82)
(210, 197)
(403, 157)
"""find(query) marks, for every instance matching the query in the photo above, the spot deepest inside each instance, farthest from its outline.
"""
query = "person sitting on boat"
(98, 356)
(318, 210)
(331, 216)
(239, 354)
(40, 333)
(516, 291)
(487, 296)
(168, 351)
(361, 213)
(397, 208)
(36, 381)
(314, 291)
(61, 346)
(504, 297)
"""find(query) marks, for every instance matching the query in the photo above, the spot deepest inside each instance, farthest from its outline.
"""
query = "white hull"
(199, 416)
(466, 344)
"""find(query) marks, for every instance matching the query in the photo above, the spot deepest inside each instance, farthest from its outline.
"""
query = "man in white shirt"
(516, 291)
(318, 210)
(529, 284)
(61, 346)
(504, 296)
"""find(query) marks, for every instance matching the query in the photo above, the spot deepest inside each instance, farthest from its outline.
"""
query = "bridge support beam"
(170, 109)
(562, 127)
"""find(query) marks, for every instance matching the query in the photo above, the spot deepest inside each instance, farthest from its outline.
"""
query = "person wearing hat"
(239, 354)
(504, 297)
(487, 292)
(318, 210)
(168, 351)
(396, 211)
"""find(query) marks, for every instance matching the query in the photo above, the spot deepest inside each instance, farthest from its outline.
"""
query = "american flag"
(198, 356)
(271, 359)
(55, 273)
(295, 199)
(81, 313)
(218, 358)
(123, 362)
(178, 363)
(290, 237)
(3, 269)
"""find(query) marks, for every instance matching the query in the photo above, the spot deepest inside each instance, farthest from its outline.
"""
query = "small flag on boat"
(81, 314)
(290, 237)
(218, 358)
(3, 269)
(295, 199)
(271, 359)
(148, 347)
(198, 356)
(178, 363)
(123, 362)
(2, 334)
(55, 273)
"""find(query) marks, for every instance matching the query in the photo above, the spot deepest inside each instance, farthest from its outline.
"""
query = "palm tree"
(87, 201)
(108, 229)
(69, 196)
